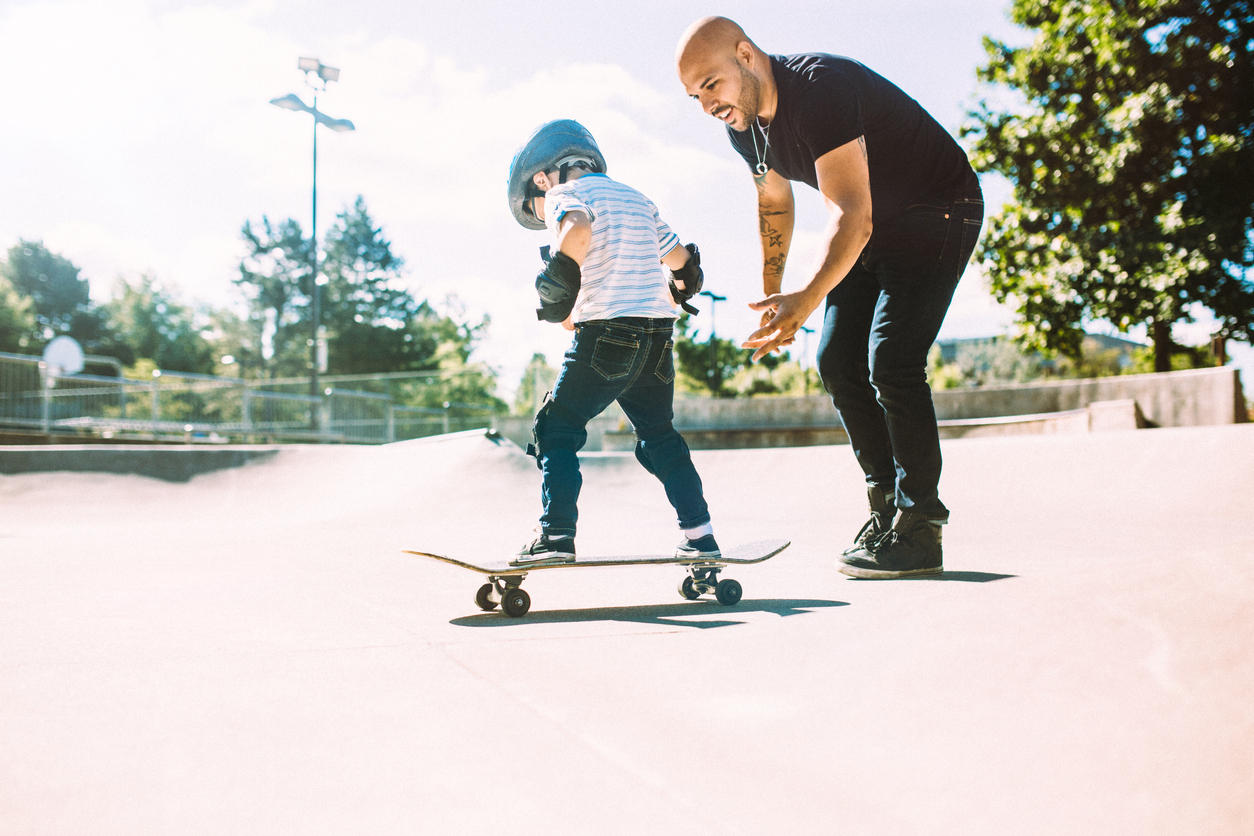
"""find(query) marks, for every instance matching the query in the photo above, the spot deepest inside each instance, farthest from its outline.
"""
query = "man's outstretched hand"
(783, 314)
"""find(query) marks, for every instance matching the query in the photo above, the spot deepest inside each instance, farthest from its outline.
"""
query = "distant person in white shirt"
(605, 282)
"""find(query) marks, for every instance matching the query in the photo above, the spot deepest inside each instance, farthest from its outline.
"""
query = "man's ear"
(541, 181)
(744, 54)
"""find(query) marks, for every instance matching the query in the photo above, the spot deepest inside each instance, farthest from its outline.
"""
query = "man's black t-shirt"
(825, 101)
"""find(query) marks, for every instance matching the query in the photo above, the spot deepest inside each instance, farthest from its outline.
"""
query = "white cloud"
(145, 140)
(140, 138)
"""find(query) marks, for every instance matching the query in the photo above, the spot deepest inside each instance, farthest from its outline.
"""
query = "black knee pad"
(544, 415)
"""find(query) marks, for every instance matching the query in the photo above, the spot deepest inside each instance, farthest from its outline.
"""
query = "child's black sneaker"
(546, 549)
(911, 548)
(702, 548)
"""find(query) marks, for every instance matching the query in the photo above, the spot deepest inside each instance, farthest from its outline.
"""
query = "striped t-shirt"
(622, 274)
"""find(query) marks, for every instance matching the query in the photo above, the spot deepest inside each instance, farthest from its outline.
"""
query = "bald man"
(904, 213)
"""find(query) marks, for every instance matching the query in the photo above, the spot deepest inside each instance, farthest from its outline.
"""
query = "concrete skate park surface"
(249, 652)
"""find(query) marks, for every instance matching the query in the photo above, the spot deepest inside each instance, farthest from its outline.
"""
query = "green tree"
(57, 300)
(448, 340)
(17, 320)
(775, 375)
(1131, 152)
(373, 323)
(707, 367)
(537, 379)
(942, 375)
(147, 321)
(274, 278)
(60, 299)
(236, 337)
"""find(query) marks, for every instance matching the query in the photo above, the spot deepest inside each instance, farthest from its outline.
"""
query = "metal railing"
(196, 407)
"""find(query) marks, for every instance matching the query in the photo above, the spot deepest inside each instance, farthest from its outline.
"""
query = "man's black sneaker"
(881, 521)
(702, 548)
(911, 548)
(545, 549)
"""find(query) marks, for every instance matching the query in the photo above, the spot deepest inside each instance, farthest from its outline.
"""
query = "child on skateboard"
(605, 282)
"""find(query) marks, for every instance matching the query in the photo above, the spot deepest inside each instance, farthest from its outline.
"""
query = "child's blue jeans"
(629, 360)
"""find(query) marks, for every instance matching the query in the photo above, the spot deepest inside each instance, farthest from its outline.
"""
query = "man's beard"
(750, 98)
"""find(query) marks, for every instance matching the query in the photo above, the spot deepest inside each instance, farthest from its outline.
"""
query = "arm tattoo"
(765, 229)
(772, 238)
(770, 235)
(774, 266)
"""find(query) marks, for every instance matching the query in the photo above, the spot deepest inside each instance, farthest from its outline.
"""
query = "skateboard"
(504, 586)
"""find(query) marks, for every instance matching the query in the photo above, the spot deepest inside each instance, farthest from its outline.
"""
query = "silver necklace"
(761, 168)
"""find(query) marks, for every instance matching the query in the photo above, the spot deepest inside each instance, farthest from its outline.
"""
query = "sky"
(136, 136)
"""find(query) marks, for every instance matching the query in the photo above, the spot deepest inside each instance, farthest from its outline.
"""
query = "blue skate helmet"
(554, 145)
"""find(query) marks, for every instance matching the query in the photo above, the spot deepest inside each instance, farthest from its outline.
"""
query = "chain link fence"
(37, 399)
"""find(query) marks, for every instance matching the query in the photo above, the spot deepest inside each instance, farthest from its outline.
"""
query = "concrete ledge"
(171, 463)
(1096, 417)
(1116, 415)
(737, 438)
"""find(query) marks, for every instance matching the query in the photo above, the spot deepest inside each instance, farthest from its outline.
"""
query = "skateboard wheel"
(515, 602)
(687, 589)
(728, 592)
(484, 597)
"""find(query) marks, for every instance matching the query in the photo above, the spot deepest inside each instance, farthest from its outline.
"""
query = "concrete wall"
(813, 411)
(1198, 397)
(172, 463)
(1193, 398)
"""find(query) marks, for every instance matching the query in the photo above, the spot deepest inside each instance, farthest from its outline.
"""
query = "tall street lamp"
(317, 76)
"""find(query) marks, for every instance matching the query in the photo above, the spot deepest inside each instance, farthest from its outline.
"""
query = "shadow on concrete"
(962, 577)
(673, 615)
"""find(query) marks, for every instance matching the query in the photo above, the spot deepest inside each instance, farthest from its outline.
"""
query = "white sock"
(698, 532)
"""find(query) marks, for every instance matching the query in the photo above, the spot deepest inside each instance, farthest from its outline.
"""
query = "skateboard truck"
(507, 591)
(702, 579)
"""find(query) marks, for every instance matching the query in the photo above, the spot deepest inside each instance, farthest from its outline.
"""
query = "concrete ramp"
(249, 652)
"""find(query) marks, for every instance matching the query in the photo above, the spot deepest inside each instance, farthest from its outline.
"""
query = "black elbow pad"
(692, 277)
(558, 285)
(690, 274)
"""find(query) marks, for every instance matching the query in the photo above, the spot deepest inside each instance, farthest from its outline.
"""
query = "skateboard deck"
(504, 586)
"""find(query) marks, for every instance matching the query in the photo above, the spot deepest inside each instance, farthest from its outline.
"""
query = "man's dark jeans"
(629, 360)
(880, 323)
